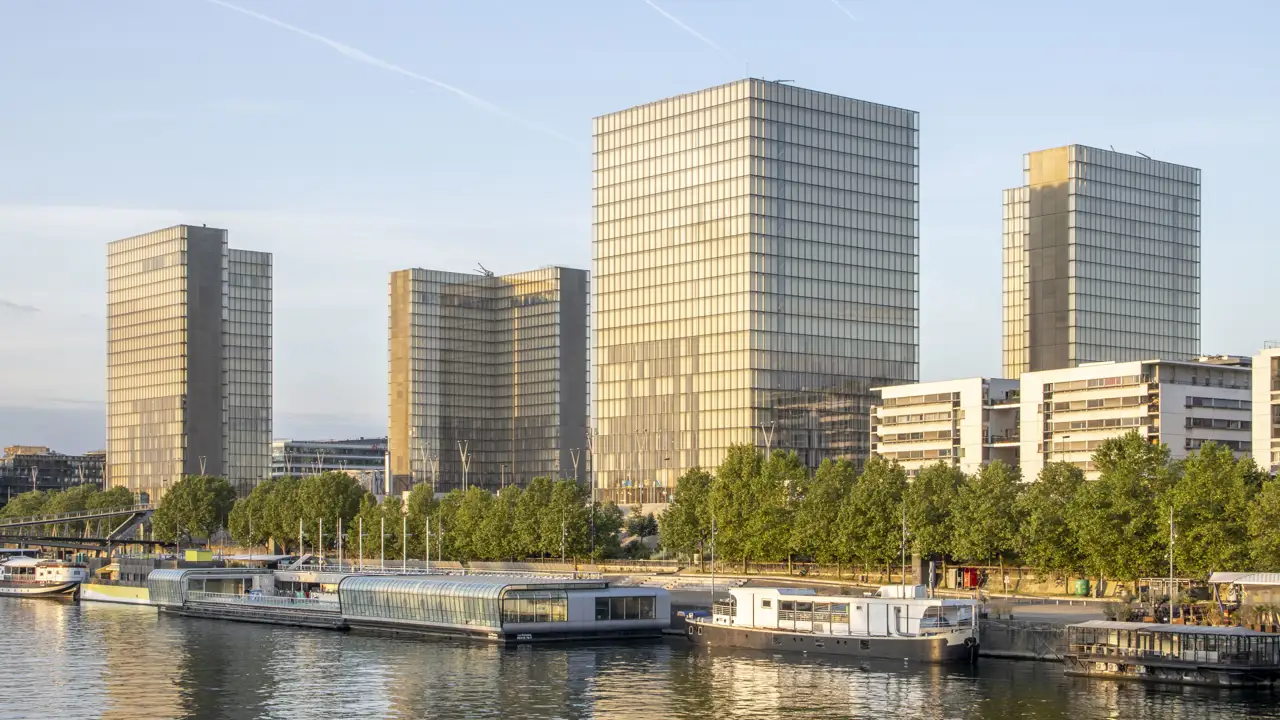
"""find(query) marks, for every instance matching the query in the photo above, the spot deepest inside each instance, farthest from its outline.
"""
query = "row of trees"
(74, 499)
(546, 519)
(766, 509)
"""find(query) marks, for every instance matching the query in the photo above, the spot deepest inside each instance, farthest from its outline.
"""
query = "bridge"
(12, 529)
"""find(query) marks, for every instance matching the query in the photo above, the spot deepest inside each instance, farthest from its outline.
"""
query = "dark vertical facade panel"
(206, 251)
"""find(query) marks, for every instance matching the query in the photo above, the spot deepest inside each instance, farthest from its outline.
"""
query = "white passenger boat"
(899, 622)
(32, 577)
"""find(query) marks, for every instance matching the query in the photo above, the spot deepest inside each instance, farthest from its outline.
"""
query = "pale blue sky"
(329, 145)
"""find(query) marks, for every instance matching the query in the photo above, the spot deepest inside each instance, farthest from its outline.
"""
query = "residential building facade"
(188, 360)
(1101, 261)
(33, 467)
(362, 458)
(1067, 414)
(488, 377)
(966, 423)
(754, 276)
(1266, 408)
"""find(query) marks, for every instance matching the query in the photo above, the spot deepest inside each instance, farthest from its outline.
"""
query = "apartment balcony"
(1009, 437)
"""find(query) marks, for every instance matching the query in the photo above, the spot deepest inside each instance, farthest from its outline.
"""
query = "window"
(766, 603)
(626, 608)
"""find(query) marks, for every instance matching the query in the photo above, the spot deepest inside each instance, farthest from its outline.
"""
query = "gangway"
(78, 515)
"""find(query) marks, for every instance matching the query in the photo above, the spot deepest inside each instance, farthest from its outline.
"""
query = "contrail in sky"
(686, 28)
(364, 57)
(844, 9)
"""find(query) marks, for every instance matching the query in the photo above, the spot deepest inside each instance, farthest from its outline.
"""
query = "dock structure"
(1186, 654)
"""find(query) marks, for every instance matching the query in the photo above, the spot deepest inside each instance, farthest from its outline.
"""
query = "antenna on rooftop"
(783, 82)
(1144, 154)
(1113, 148)
(484, 270)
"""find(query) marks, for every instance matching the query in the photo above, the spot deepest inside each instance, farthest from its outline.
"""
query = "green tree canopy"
(1264, 528)
(196, 506)
(1046, 539)
(985, 517)
(527, 529)
(817, 513)
(1211, 500)
(608, 524)
(1117, 518)
(685, 526)
(326, 498)
(27, 504)
(733, 502)
(870, 517)
(249, 521)
(929, 502)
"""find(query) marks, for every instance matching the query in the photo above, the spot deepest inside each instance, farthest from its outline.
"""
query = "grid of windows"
(248, 368)
(625, 608)
(1101, 261)
(495, 362)
(754, 266)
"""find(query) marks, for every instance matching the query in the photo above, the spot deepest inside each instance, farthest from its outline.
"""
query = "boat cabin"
(34, 570)
(895, 611)
(1177, 653)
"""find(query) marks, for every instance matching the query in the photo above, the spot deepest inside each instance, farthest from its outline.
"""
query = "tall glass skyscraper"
(754, 276)
(497, 364)
(1101, 261)
(188, 360)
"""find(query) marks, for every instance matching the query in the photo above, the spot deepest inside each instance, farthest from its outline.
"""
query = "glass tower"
(188, 360)
(1101, 261)
(755, 264)
(493, 365)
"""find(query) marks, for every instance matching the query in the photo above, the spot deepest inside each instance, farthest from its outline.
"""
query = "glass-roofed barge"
(501, 608)
(1186, 654)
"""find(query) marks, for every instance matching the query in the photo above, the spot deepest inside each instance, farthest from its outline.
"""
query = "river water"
(65, 660)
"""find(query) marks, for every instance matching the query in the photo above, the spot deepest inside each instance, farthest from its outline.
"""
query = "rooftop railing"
(275, 601)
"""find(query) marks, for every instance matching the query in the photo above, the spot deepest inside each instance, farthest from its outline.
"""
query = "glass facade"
(755, 273)
(188, 327)
(1101, 261)
(248, 369)
(496, 362)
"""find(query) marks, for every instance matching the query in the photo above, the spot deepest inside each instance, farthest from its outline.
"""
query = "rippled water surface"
(63, 660)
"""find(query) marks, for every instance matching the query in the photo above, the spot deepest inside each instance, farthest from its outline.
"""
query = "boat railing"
(356, 569)
(807, 616)
(1099, 650)
(276, 601)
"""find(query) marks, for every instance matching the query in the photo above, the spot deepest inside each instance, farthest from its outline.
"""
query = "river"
(66, 660)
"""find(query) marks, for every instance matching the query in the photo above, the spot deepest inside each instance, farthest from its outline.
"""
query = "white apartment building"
(1266, 409)
(967, 422)
(1068, 413)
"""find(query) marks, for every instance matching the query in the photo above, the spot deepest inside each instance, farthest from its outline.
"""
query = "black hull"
(64, 590)
(934, 651)
(1170, 673)
(370, 627)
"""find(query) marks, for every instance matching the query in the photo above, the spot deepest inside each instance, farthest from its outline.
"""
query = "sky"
(351, 139)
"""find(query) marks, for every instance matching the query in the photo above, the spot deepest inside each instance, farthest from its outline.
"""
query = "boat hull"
(927, 650)
(1173, 673)
(125, 594)
(67, 589)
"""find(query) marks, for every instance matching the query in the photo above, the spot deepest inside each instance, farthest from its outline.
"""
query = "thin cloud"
(686, 28)
(844, 9)
(366, 58)
(16, 307)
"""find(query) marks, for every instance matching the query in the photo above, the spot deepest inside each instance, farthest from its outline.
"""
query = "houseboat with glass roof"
(503, 608)
(898, 622)
(1185, 654)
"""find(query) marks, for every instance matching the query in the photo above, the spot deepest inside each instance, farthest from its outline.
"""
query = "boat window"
(626, 608)
(788, 605)
(766, 603)
(602, 608)
(804, 607)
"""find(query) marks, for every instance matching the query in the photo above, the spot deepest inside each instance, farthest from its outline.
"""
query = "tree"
(607, 526)
(984, 516)
(326, 498)
(473, 506)
(248, 522)
(112, 498)
(493, 538)
(527, 528)
(685, 526)
(362, 532)
(420, 506)
(769, 493)
(641, 525)
(1211, 500)
(564, 521)
(816, 518)
(1264, 527)
(196, 506)
(1117, 518)
(732, 502)
(870, 518)
(929, 501)
(26, 505)
(1046, 539)
(282, 513)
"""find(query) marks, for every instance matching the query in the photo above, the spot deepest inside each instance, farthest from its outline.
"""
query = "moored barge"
(1184, 654)
(899, 623)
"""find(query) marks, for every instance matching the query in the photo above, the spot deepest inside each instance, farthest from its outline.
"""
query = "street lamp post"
(466, 461)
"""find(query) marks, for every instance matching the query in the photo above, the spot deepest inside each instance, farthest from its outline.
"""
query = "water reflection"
(94, 660)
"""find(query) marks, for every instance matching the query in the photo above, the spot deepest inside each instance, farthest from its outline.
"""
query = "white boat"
(898, 622)
(33, 577)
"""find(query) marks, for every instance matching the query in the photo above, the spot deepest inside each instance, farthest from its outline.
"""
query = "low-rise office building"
(1067, 414)
(967, 423)
(1266, 408)
(35, 467)
(362, 458)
